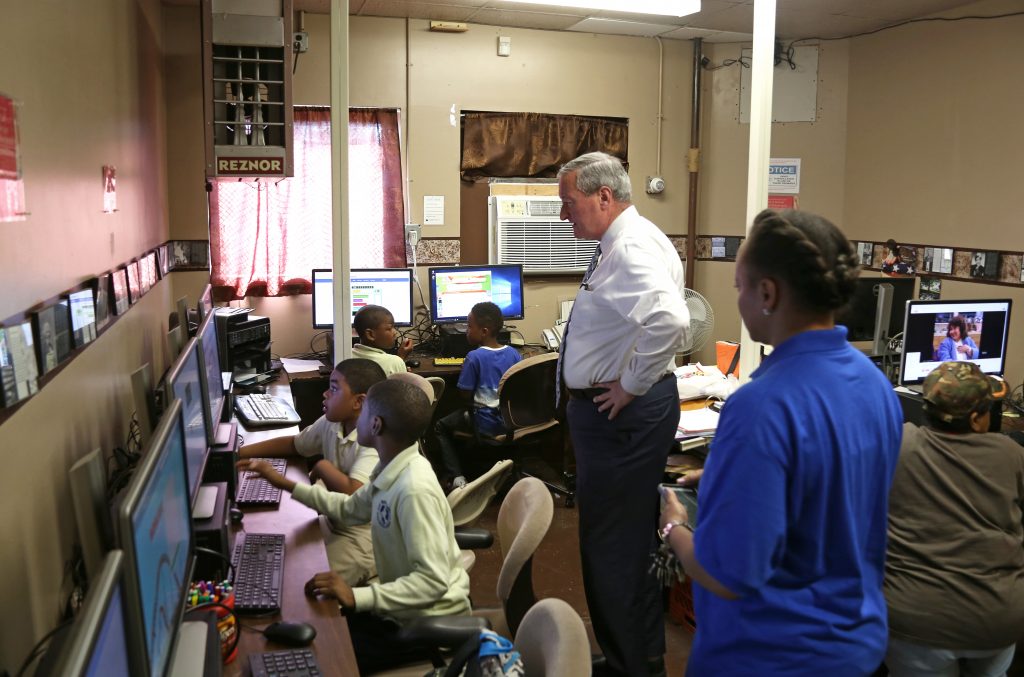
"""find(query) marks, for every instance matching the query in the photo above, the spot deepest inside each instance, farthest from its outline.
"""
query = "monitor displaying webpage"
(454, 291)
(939, 331)
(391, 289)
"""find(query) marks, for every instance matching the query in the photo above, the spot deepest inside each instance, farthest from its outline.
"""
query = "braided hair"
(808, 252)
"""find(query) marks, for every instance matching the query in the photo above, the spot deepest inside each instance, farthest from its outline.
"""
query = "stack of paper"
(696, 422)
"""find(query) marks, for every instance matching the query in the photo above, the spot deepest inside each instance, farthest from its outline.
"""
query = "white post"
(761, 74)
(339, 180)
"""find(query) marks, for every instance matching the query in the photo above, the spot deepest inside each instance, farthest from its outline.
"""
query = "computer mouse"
(292, 634)
(412, 363)
(236, 515)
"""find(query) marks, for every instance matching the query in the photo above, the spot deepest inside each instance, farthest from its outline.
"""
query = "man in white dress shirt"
(627, 323)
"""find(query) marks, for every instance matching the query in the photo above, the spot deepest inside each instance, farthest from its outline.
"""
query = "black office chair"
(526, 402)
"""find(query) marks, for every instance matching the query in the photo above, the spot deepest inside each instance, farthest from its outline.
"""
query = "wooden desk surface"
(304, 556)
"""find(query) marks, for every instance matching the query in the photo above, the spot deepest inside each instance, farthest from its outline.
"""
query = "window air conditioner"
(526, 229)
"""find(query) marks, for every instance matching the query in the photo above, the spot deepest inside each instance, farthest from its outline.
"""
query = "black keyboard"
(288, 663)
(254, 490)
(262, 410)
(259, 567)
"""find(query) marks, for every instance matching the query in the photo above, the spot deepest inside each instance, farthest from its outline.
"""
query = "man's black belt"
(591, 393)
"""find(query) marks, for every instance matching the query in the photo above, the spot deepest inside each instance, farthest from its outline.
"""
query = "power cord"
(39, 648)
(913, 21)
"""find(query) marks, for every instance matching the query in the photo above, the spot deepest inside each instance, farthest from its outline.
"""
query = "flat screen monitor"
(98, 643)
(155, 531)
(387, 287)
(184, 382)
(210, 375)
(454, 291)
(205, 304)
(83, 316)
(860, 316)
(931, 336)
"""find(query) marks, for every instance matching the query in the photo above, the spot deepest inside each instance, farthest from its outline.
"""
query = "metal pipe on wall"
(693, 165)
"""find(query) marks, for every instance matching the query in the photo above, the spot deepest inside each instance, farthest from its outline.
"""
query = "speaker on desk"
(308, 396)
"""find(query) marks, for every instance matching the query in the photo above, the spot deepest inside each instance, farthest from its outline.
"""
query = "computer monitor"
(205, 304)
(184, 382)
(388, 287)
(155, 532)
(98, 643)
(875, 313)
(926, 328)
(210, 376)
(454, 291)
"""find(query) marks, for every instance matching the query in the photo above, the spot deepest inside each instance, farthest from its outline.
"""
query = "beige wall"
(88, 78)
(934, 143)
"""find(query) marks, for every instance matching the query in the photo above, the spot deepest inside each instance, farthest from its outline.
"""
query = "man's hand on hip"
(614, 400)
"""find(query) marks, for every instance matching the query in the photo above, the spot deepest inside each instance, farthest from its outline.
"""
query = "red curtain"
(267, 235)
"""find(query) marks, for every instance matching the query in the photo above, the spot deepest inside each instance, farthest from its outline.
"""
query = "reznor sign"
(240, 166)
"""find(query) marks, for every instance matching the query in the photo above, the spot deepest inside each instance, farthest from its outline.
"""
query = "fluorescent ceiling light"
(664, 7)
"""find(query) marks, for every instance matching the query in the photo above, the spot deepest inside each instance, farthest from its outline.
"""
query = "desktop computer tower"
(243, 340)
(220, 464)
(212, 533)
(455, 344)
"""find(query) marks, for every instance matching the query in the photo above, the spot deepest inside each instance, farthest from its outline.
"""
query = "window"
(266, 236)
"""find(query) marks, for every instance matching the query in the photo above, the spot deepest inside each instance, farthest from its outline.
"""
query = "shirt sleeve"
(366, 460)
(647, 296)
(741, 531)
(310, 442)
(469, 376)
(343, 509)
(427, 543)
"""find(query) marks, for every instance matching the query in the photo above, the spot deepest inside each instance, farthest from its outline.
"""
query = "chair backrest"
(526, 392)
(469, 501)
(523, 521)
(552, 641)
(437, 383)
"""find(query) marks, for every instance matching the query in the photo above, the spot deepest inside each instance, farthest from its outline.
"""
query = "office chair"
(526, 402)
(552, 641)
(523, 521)
(437, 383)
(467, 503)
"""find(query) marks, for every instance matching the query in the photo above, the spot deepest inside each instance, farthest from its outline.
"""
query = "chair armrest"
(473, 538)
(442, 631)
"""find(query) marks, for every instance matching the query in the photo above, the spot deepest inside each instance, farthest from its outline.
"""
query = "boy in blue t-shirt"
(478, 385)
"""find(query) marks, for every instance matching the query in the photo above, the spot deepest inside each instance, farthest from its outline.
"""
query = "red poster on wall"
(783, 202)
(8, 139)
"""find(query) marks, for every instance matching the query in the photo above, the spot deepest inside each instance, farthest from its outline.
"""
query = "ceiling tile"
(512, 18)
(613, 27)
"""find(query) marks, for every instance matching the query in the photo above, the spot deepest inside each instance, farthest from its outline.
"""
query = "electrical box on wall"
(247, 87)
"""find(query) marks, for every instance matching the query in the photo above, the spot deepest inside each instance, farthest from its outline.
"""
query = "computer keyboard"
(291, 662)
(448, 361)
(254, 490)
(259, 567)
(259, 409)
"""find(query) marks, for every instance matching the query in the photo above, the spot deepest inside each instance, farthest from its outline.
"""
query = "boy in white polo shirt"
(346, 464)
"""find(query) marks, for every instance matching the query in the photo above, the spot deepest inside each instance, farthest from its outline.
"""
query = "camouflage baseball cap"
(954, 389)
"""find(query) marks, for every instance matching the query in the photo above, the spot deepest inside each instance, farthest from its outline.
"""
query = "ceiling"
(718, 20)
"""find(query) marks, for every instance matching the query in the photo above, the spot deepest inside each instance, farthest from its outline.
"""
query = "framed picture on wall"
(119, 288)
(52, 336)
(19, 370)
(103, 301)
(865, 252)
(190, 254)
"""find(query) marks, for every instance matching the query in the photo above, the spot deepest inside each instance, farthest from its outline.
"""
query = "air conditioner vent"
(526, 230)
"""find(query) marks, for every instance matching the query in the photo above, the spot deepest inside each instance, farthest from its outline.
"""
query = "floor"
(556, 573)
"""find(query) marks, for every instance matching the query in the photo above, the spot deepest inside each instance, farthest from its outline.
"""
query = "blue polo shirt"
(793, 509)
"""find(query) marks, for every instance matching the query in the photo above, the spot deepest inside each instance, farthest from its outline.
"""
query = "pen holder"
(221, 598)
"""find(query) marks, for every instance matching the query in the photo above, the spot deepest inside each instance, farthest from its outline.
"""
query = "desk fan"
(702, 322)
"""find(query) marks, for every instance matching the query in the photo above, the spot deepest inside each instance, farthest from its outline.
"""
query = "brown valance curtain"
(535, 144)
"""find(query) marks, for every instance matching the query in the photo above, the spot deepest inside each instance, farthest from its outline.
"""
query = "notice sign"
(784, 175)
(8, 140)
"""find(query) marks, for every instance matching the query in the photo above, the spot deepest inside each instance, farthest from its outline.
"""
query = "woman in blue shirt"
(957, 345)
(787, 558)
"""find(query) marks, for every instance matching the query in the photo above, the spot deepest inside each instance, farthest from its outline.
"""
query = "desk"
(304, 556)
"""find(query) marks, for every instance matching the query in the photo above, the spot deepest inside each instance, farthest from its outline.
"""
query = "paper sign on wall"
(433, 210)
(8, 139)
(784, 175)
(783, 202)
